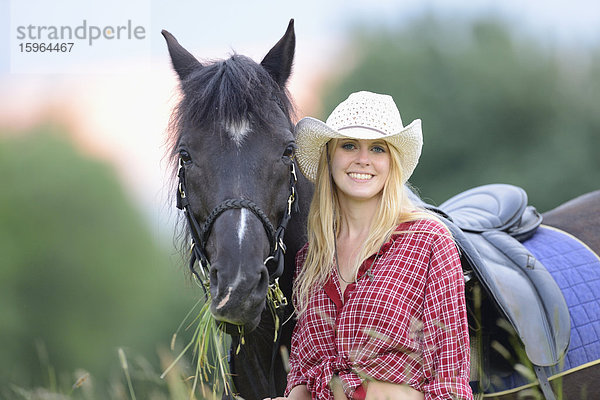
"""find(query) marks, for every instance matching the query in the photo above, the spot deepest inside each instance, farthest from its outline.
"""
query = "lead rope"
(272, 388)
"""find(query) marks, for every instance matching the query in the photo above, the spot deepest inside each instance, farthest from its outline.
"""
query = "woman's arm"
(377, 390)
(299, 392)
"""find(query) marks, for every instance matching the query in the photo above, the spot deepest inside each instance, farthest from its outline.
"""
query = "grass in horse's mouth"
(209, 350)
(209, 343)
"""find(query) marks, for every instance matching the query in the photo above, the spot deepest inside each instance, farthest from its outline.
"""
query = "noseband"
(199, 234)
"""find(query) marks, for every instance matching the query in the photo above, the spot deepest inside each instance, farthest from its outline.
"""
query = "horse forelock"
(228, 97)
(227, 100)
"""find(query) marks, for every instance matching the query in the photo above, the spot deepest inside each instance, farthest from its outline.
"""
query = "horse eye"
(289, 151)
(185, 156)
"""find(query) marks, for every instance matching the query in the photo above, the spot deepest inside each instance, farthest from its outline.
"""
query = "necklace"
(335, 253)
(337, 264)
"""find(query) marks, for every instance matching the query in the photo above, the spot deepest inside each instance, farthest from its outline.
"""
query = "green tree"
(81, 275)
(496, 108)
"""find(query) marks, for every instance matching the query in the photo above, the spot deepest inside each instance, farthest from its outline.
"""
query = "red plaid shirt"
(403, 322)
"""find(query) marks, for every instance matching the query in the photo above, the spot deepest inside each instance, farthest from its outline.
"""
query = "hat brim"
(312, 135)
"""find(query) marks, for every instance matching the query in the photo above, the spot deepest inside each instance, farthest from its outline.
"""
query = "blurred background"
(508, 92)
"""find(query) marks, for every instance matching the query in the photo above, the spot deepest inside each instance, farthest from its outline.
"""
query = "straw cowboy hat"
(363, 115)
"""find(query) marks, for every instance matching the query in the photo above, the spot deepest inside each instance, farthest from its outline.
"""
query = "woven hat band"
(363, 127)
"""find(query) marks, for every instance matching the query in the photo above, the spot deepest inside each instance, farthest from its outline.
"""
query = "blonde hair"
(395, 208)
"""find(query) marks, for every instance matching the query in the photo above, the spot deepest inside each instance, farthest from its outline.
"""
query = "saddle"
(488, 224)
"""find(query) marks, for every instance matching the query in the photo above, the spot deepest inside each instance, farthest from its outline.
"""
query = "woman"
(379, 291)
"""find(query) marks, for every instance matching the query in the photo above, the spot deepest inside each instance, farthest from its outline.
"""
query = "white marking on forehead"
(238, 130)
(242, 225)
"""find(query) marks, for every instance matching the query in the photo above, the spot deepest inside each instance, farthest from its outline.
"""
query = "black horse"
(232, 134)
(233, 147)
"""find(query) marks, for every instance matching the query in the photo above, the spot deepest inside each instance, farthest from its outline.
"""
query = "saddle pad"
(576, 269)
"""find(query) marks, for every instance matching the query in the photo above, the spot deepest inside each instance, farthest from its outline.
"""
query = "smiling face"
(360, 169)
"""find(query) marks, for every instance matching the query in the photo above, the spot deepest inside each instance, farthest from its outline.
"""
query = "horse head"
(232, 138)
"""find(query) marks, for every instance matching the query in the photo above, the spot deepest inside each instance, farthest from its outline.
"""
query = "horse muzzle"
(238, 300)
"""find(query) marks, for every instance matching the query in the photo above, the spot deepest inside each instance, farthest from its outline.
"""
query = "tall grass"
(135, 379)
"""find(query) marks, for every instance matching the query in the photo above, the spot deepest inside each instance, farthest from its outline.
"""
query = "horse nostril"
(213, 277)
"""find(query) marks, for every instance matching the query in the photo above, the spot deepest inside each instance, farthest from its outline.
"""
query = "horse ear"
(278, 62)
(183, 61)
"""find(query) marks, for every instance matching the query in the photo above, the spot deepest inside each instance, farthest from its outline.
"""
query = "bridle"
(274, 261)
(199, 234)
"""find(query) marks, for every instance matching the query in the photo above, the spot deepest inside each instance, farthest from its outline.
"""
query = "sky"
(116, 95)
(215, 27)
